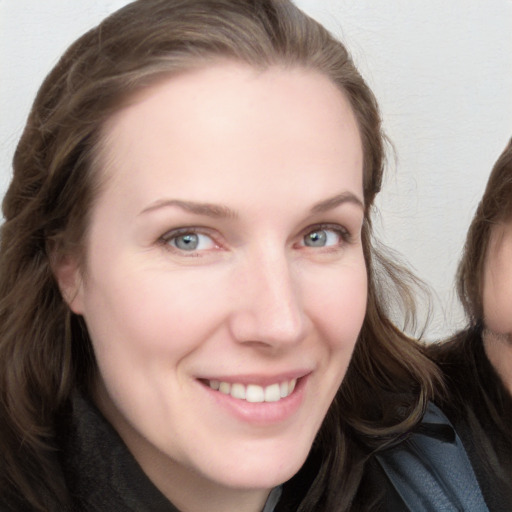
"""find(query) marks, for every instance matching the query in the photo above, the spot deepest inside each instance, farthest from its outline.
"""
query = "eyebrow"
(207, 209)
(333, 202)
(222, 211)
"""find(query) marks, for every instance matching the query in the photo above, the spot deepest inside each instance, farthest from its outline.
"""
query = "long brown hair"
(494, 207)
(45, 351)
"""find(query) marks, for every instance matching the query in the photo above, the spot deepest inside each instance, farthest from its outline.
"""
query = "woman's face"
(225, 285)
(497, 282)
(497, 301)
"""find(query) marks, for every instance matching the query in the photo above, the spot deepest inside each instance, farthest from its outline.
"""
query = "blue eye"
(190, 241)
(322, 238)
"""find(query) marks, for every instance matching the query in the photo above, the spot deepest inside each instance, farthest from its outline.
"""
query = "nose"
(268, 308)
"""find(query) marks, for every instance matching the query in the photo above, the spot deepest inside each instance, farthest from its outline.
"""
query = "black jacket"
(480, 408)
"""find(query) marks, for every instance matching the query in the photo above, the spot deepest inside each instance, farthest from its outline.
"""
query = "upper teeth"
(253, 392)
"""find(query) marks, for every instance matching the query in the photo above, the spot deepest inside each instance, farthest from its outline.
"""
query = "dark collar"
(101, 472)
(436, 425)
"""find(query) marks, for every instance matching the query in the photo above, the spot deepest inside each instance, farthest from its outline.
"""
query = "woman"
(187, 271)
(477, 362)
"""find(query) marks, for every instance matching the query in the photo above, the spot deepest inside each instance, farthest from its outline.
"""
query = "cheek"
(338, 306)
(338, 310)
(497, 301)
(149, 316)
(497, 288)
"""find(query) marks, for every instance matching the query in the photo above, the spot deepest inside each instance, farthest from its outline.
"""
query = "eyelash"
(165, 240)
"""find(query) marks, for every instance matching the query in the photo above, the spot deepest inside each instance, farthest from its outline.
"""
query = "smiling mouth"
(252, 392)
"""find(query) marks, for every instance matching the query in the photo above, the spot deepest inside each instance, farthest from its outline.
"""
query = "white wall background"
(441, 69)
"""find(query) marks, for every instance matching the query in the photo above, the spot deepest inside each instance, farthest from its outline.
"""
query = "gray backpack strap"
(273, 499)
(432, 473)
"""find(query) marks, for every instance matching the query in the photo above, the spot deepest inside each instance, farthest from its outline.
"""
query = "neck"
(498, 348)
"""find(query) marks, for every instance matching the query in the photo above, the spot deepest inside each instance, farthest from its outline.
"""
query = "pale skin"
(224, 251)
(497, 302)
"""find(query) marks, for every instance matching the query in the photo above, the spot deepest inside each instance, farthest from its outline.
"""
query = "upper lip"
(258, 379)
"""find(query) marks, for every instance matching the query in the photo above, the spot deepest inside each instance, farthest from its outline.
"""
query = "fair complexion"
(224, 260)
(497, 302)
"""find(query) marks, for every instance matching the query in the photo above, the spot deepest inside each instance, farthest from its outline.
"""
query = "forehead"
(215, 122)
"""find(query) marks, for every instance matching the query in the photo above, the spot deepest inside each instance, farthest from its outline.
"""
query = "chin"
(260, 472)
(262, 478)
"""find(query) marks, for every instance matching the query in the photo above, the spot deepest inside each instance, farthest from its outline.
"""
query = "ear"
(66, 269)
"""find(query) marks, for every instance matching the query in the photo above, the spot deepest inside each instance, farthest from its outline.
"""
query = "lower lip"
(261, 413)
